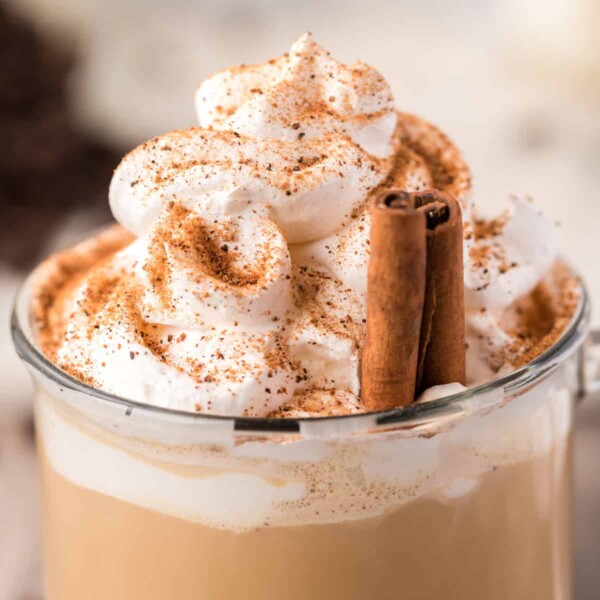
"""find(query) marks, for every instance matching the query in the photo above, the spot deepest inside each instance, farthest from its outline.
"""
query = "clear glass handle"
(590, 366)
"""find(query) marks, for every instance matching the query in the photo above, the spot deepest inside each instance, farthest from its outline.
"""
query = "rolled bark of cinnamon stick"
(395, 298)
(442, 338)
(415, 303)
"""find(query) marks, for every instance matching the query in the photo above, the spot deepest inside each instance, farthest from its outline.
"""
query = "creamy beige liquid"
(508, 539)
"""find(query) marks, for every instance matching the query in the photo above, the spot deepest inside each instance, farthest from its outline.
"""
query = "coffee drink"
(307, 252)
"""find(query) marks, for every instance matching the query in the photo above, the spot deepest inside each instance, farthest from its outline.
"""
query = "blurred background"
(515, 84)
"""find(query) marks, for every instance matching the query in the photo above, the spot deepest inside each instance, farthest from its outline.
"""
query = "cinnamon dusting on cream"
(240, 287)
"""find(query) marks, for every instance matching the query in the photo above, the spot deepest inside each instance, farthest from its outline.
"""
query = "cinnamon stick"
(415, 305)
(442, 338)
(395, 299)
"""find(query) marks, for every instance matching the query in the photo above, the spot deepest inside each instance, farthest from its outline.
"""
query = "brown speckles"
(424, 143)
(319, 403)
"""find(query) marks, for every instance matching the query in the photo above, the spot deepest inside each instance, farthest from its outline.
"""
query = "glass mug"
(464, 497)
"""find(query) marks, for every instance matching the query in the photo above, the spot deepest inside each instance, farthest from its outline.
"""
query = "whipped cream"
(303, 94)
(506, 256)
(244, 290)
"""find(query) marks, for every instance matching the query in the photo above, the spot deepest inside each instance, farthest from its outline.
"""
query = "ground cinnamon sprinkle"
(317, 297)
(205, 245)
(318, 403)
(58, 278)
(159, 272)
(485, 229)
(277, 357)
(544, 315)
(448, 171)
(488, 251)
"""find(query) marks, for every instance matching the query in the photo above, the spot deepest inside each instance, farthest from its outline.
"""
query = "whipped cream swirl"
(244, 289)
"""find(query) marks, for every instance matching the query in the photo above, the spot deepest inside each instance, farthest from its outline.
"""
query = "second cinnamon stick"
(442, 338)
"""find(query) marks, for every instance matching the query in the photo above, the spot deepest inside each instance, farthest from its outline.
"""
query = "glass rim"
(413, 415)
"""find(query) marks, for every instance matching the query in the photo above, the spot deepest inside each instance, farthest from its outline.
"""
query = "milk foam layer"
(244, 290)
(243, 484)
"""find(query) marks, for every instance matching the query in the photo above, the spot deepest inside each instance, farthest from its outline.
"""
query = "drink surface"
(509, 537)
